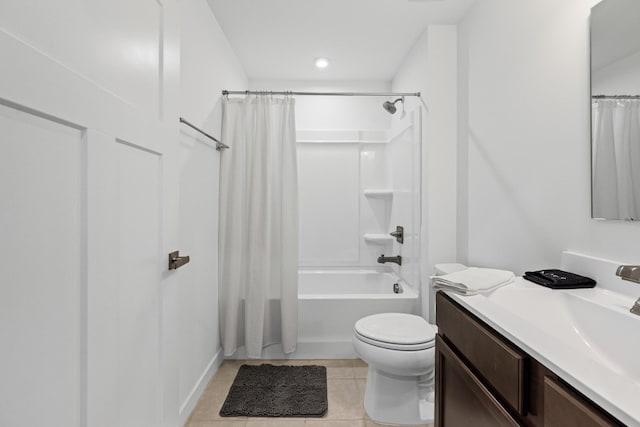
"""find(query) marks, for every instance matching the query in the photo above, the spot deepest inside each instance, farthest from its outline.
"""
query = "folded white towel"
(473, 280)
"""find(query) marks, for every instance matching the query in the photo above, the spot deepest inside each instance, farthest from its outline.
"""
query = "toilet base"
(398, 400)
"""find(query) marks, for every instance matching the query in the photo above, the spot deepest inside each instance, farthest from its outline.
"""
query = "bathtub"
(351, 285)
(329, 304)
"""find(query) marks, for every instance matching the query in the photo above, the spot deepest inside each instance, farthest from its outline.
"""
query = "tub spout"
(397, 259)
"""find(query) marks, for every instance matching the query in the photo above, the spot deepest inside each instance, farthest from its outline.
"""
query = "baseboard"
(192, 399)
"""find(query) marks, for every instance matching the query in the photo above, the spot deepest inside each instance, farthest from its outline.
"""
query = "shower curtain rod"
(269, 92)
(616, 97)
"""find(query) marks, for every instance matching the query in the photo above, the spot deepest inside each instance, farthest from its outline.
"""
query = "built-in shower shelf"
(378, 239)
(378, 193)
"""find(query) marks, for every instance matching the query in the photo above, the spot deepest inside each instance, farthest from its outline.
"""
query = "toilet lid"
(399, 331)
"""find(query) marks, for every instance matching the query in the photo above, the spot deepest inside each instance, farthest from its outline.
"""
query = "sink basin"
(535, 305)
(606, 327)
(591, 322)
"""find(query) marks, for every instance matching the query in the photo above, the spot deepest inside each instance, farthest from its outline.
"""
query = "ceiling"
(363, 39)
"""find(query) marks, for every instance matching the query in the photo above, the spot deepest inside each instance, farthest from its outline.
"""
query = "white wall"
(621, 77)
(524, 132)
(207, 66)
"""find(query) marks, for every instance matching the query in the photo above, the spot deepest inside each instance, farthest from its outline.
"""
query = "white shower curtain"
(258, 225)
(616, 158)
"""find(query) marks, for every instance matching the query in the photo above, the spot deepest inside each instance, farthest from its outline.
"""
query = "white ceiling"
(364, 39)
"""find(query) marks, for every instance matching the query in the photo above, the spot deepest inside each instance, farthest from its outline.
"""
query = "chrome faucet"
(397, 259)
(632, 274)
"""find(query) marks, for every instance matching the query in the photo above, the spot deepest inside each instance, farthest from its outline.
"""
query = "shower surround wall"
(355, 188)
(347, 145)
(404, 157)
(335, 169)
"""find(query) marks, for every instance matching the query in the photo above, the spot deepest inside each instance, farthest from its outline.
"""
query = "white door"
(82, 206)
(43, 277)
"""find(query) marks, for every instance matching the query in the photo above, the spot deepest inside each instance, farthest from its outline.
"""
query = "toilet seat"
(396, 331)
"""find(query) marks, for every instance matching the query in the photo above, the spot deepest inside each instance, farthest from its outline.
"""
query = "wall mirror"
(615, 112)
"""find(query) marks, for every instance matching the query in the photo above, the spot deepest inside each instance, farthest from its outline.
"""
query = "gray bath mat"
(277, 391)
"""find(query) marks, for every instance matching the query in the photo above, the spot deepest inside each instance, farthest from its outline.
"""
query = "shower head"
(391, 106)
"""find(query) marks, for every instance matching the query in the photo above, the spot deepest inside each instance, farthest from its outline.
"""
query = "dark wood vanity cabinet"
(461, 397)
(484, 380)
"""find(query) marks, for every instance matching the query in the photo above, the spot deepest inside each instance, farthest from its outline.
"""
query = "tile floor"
(346, 379)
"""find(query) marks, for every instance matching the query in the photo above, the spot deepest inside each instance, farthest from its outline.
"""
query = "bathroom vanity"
(483, 379)
(532, 356)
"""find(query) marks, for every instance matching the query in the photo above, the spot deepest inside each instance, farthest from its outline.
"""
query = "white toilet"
(399, 349)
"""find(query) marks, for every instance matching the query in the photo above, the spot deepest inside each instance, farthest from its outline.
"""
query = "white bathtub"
(351, 284)
(329, 304)
(331, 301)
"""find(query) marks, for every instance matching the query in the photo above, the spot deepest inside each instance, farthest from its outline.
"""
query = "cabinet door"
(462, 400)
(565, 408)
(496, 361)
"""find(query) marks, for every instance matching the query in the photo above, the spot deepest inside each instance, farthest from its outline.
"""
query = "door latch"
(177, 261)
(398, 234)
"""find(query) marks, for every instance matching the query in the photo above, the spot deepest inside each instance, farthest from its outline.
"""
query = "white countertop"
(542, 322)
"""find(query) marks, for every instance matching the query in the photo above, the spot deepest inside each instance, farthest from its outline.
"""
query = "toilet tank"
(428, 300)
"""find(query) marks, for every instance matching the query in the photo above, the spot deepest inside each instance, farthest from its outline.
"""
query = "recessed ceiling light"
(322, 62)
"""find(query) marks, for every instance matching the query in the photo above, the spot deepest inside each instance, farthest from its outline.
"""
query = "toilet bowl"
(400, 351)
